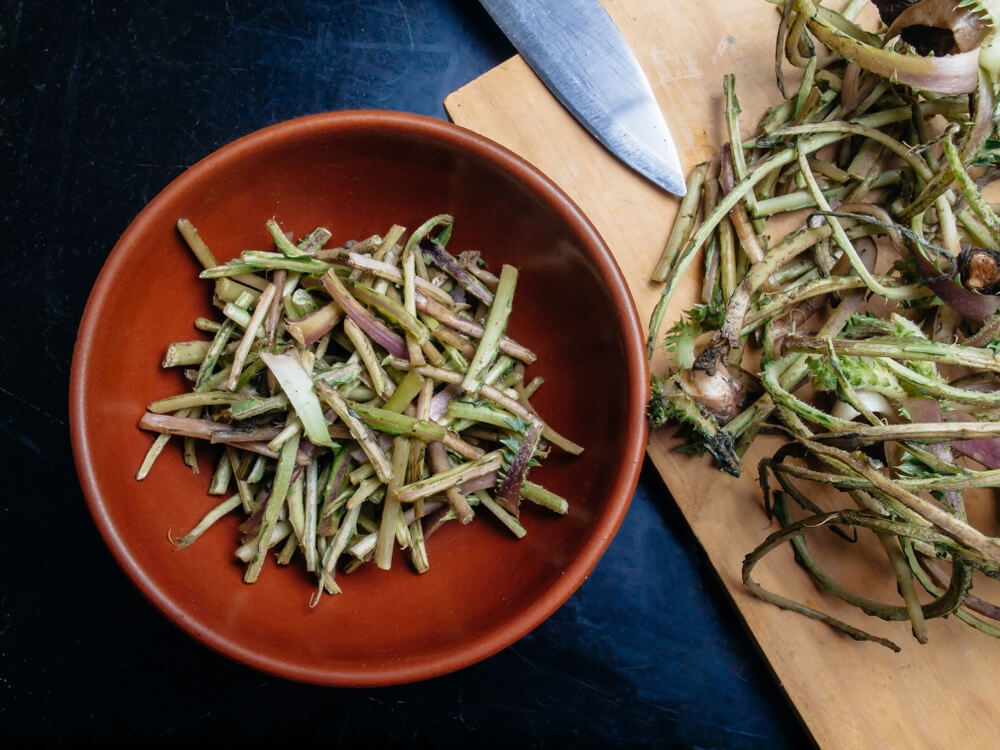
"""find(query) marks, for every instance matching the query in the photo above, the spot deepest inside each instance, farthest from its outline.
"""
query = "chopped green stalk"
(503, 367)
(333, 552)
(222, 476)
(245, 492)
(409, 268)
(190, 450)
(343, 373)
(254, 329)
(281, 241)
(252, 280)
(391, 509)
(418, 449)
(258, 259)
(405, 392)
(275, 502)
(159, 443)
(505, 518)
(940, 389)
(361, 473)
(452, 477)
(209, 326)
(230, 290)
(496, 323)
(197, 428)
(245, 408)
(687, 215)
(192, 400)
(472, 329)
(298, 304)
(311, 501)
(233, 268)
(313, 242)
(185, 353)
(393, 423)
(238, 315)
(479, 412)
(359, 430)
(541, 496)
(363, 548)
(256, 471)
(214, 352)
(971, 192)
(295, 500)
(248, 550)
(366, 489)
(418, 550)
(736, 154)
(288, 550)
(196, 243)
(225, 507)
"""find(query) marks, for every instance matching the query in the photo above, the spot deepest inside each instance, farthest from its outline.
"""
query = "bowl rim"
(478, 647)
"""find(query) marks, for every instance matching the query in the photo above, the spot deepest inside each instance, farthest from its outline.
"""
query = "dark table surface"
(103, 103)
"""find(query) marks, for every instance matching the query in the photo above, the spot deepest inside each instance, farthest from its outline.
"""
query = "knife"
(579, 54)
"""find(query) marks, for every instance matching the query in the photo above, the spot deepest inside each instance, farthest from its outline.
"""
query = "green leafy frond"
(680, 340)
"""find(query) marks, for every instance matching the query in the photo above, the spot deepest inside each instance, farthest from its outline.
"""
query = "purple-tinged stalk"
(389, 340)
(437, 256)
(314, 326)
(471, 328)
(508, 494)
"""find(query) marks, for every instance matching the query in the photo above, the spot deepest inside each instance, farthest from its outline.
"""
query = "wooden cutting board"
(848, 694)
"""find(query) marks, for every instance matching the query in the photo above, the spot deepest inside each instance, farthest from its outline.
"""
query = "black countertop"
(103, 103)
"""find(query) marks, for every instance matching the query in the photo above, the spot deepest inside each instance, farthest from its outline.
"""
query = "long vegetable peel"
(865, 333)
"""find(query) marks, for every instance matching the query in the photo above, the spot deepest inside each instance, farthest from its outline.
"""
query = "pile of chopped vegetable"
(360, 397)
(850, 266)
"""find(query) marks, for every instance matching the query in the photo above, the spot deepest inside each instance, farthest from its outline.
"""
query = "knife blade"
(578, 52)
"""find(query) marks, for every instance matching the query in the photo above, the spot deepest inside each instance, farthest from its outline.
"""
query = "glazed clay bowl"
(357, 173)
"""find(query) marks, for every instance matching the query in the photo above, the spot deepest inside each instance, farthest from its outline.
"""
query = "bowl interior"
(358, 173)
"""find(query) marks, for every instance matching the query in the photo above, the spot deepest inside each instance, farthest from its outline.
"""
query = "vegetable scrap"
(360, 396)
(850, 267)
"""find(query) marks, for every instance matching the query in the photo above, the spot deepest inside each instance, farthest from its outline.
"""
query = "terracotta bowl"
(357, 173)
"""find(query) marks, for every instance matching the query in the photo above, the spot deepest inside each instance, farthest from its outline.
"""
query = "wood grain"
(850, 695)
